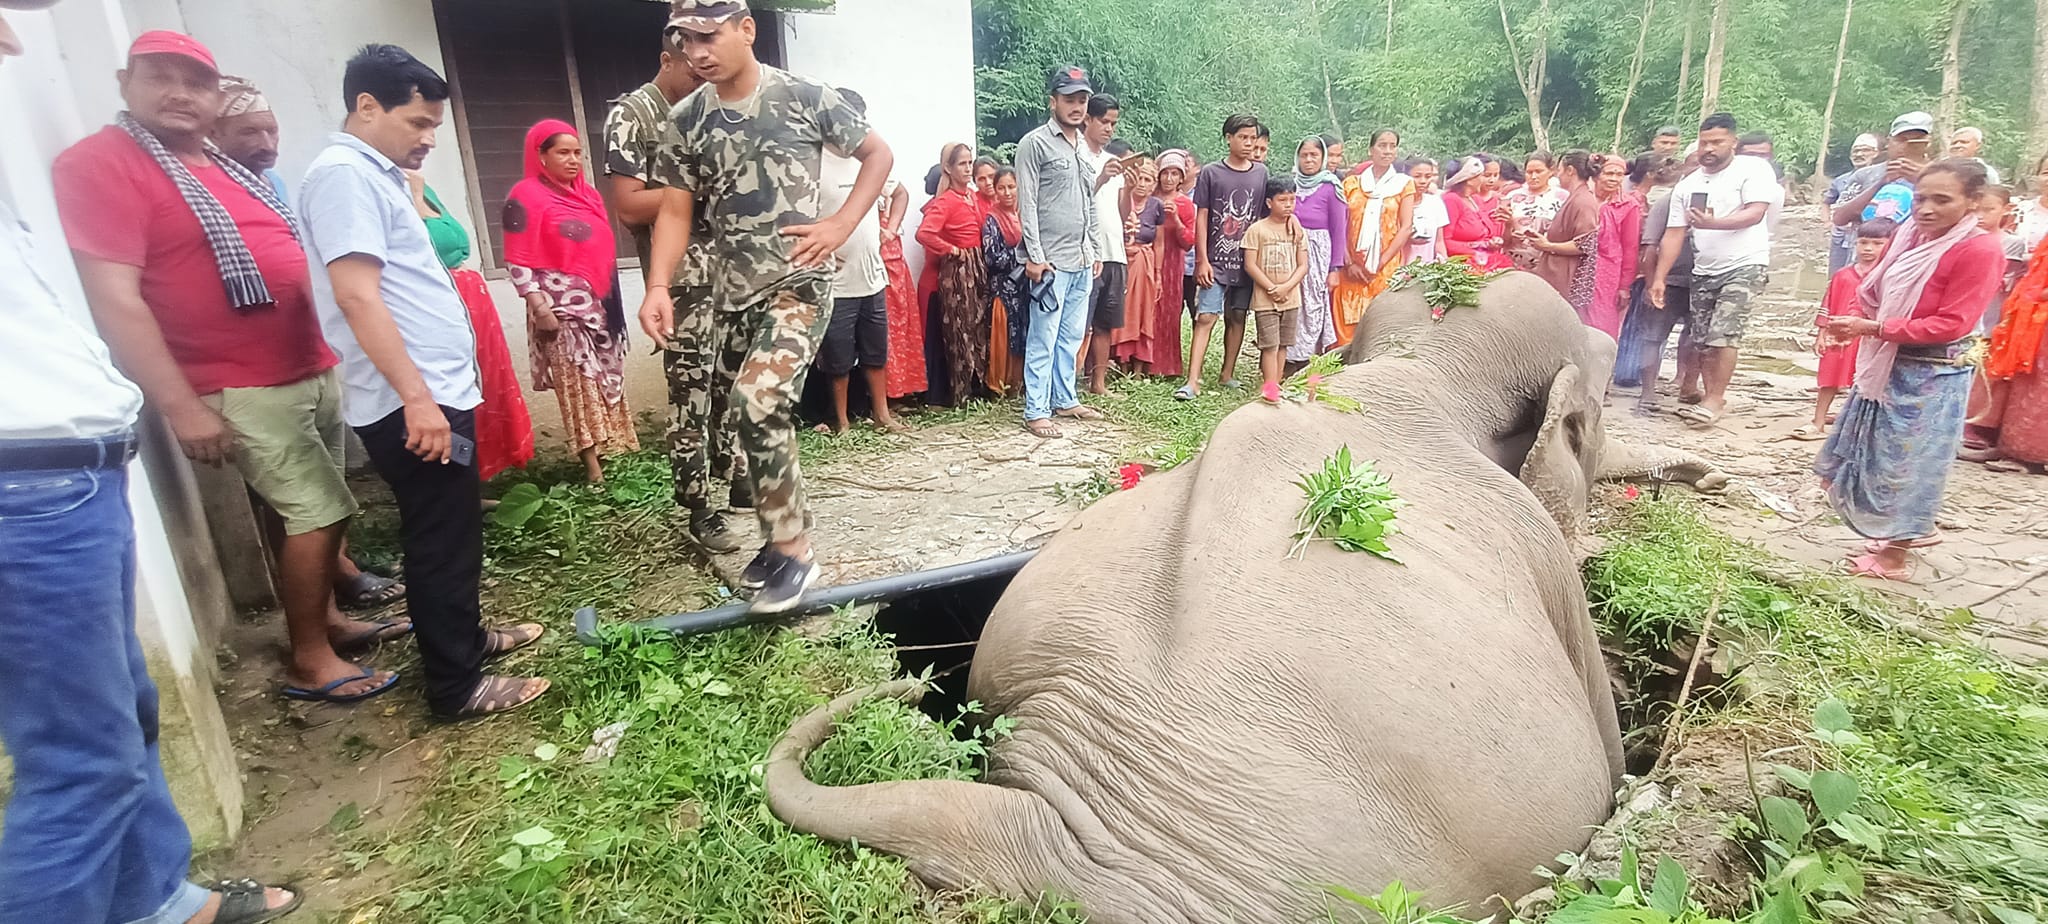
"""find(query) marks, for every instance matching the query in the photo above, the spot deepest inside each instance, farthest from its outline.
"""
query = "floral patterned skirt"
(963, 315)
(587, 418)
(1886, 465)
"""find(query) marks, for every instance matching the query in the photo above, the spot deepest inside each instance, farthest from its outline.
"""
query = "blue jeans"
(1053, 351)
(91, 836)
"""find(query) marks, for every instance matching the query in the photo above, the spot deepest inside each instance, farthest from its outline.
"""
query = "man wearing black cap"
(1056, 202)
(753, 143)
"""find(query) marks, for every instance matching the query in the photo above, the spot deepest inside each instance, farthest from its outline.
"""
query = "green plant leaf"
(546, 751)
(1793, 777)
(517, 506)
(1832, 715)
(511, 859)
(1786, 819)
(1836, 908)
(346, 818)
(1834, 792)
(1668, 892)
(2012, 915)
(533, 837)
(1860, 831)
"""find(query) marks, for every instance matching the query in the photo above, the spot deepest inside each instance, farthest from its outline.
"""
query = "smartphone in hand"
(461, 449)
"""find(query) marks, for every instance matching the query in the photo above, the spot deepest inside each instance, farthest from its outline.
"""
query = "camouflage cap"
(703, 16)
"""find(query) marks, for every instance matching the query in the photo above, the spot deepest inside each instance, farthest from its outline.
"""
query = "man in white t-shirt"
(1104, 154)
(1729, 205)
(858, 333)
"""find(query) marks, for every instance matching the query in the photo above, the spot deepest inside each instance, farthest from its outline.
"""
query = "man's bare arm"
(358, 292)
(114, 293)
(670, 241)
(635, 202)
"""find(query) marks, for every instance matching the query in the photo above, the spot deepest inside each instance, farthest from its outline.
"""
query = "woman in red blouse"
(955, 285)
(1477, 231)
(1175, 237)
(1887, 461)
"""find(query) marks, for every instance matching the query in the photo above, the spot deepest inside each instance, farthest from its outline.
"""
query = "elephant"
(1209, 730)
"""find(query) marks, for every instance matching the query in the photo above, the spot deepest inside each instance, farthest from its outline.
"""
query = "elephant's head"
(1520, 374)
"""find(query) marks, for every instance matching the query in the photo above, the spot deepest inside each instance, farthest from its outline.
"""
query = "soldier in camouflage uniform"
(642, 156)
(753, 141)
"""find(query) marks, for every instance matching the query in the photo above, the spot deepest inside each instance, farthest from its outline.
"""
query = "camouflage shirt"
(641, 142)
(754, 167)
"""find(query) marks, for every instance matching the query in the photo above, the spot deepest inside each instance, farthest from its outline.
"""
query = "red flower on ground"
(1631, 492)
(1130, 474)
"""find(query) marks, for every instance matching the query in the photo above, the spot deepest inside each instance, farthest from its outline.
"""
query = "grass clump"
(1940, 749)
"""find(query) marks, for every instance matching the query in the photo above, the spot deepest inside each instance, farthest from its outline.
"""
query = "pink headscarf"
(1893, 289)
(556, 227)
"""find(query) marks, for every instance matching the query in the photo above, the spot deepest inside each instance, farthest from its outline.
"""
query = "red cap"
(166, 42)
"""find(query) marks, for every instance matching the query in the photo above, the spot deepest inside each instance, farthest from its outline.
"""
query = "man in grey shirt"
(409, 368)
(1056, 200)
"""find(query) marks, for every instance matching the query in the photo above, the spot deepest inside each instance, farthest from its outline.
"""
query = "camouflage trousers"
(703, 424)
(1720, 306)
(773, 342)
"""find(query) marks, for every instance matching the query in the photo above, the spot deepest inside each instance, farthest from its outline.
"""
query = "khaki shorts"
(289, 448)
(1277, 329)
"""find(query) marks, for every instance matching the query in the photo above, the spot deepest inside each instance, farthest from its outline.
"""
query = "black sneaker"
(788, 578)
(741, 497)
(756, 572)
(710, 530)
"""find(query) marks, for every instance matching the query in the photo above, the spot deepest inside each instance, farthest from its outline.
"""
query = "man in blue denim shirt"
(91, 834)
(1056, 201)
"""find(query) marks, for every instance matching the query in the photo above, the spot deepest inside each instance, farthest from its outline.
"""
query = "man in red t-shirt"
(194, 272)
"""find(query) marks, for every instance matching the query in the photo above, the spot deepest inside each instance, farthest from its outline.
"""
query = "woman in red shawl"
(1176, 238)
(564, 262)
(955, 283)
(906, 316)
(1477, 230)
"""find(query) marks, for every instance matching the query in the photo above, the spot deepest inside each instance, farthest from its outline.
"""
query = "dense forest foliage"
(1463, 75)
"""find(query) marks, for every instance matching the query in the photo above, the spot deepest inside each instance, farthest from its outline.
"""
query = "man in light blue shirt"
(409, 374)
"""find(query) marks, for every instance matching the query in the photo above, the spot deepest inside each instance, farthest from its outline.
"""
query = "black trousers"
(442, 532)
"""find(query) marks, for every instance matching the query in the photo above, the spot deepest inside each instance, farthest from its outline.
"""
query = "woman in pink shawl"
(1886, 464)
(1614, 257)
(564, 263)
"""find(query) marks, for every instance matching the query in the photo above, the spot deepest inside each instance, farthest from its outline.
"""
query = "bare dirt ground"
(1995, 532)
(319, 777)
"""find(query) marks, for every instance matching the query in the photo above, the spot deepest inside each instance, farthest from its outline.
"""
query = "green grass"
(1950, 743)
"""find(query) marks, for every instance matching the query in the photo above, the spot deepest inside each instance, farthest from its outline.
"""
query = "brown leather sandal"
(501, 642)
(494, 695)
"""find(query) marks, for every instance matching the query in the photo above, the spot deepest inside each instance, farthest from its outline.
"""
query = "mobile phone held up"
(1916, 150)
(1699, 202)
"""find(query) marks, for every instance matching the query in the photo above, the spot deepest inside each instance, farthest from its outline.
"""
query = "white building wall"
(913, 61)
(46, 103)
(294, 51)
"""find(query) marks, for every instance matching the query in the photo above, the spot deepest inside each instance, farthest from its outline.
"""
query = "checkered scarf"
(238, 270)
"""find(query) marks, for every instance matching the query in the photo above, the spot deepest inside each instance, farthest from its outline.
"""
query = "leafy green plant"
(1395, 904)
(1306, 385)
(1447, 284)
(1349, 504)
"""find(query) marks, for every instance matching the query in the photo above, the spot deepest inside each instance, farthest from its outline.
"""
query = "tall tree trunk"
(1951, 103)
(1717, 48)
(1635, 73)
(1685, 61)
(1532, 71)
(1330, 101)
(1827, 115)
(2037, 132)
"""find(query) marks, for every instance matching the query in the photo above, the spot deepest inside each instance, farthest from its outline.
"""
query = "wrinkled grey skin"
(1207, 729)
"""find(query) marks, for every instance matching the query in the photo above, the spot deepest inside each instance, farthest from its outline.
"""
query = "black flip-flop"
(326, 693)
(381, 631)
(244, 901)
(368, 591)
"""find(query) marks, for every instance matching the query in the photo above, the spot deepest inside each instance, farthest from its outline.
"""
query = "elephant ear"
(1565, 458)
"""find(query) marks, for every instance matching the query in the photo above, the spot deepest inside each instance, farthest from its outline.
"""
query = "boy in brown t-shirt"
(1276, 259)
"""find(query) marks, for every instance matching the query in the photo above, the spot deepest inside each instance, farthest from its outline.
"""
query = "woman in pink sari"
(1621, 228)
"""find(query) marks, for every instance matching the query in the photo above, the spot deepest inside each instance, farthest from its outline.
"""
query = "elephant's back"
(1357, 720)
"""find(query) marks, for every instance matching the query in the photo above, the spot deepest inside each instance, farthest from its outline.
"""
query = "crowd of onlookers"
(265, 319)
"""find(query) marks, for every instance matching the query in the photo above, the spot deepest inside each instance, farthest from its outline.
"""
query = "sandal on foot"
(1924, 542)
(1684, 398)
(326, 694)
(1078, 412)
(1809, 433)
(368, 591)
(2011, 467)
(895, 427)
(246, 901)
(1184, 393)
(495, 695)
(1867, 566)
(1043, 429)
(501, 642)
(1696, 415)
(377, 633)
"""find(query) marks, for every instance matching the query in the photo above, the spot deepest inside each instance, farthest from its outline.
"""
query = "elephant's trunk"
(1622, 461)
(955, 834)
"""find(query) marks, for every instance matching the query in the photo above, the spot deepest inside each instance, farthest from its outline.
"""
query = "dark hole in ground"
(1647, 677)
(937, 629)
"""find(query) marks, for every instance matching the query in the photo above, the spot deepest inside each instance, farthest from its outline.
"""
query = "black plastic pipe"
(734, 615)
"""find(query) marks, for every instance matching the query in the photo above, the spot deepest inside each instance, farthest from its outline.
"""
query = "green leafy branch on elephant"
(1448, 284)
(1307, 385)
(1349, 504)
